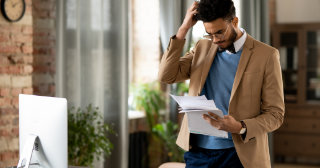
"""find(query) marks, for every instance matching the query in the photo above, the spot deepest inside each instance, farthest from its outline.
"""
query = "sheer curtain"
(255, 19)
(172, 13)
(92, 63)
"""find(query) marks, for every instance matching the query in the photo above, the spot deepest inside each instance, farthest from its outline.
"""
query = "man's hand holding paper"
(227, 123)
(198, 106)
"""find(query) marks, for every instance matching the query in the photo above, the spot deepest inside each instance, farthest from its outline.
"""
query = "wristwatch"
(243, 129)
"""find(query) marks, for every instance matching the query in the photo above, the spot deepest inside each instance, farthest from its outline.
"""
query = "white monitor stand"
(26, 155)
(43, 132)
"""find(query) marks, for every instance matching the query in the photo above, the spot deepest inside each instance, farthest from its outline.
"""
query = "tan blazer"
(256, 96)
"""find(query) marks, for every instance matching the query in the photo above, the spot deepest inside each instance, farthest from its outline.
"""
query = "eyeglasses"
(218, 36)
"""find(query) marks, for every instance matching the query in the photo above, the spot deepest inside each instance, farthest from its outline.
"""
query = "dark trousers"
(212, 158)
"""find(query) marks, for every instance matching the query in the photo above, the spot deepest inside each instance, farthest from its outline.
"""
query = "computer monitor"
(46, 119)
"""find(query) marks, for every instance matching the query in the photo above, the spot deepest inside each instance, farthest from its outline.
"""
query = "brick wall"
(44, 38)
(27, 50)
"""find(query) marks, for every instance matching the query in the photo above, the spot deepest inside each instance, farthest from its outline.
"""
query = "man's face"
(223, 32)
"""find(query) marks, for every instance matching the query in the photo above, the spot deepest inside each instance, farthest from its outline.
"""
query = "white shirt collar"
(240, 42)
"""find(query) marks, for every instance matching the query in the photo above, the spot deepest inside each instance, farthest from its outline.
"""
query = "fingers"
(194, 12)
(214, 116)
(215, 123)
(194, 6)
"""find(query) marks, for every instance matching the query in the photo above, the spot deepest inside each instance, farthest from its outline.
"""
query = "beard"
(230, 40)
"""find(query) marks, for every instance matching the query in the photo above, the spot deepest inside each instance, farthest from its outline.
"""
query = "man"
(242, 76)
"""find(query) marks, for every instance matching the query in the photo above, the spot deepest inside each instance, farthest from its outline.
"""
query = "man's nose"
(215, 39)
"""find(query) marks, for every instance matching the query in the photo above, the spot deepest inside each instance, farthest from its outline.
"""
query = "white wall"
(297, 11)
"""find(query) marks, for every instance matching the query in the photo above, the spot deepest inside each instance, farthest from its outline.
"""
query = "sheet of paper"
(184, 100)
(199, 104)
(198, 125)
(195, 107)
(194, 102)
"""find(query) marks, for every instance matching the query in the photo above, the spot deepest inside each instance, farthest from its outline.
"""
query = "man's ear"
(235, 22)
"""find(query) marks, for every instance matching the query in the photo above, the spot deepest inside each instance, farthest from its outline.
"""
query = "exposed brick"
(22, 38)
(9, 49)
(52, 89)
(4, 70)
(15, 59)
(42, 78)
(28, 59)
(26, 20)
(43, 42)
(27, 30)
(42, 68)
(16, 91)
(9, 162)
(4, 133)
(42, 13)
(28, 2)
(44, 5)
(4, 92)
(14, 69)
(24, 44)
(15, 102)
(4, 37)
(44, 23)
(42, 51)
(21, 59)
(4, 122)
(26, 49)
(6, 29)
(28, 11)
(27, 69)
(3, 144)
(43, 59)
(5, 81)
(13, 144)
(9, 155)
(38, 33)
(21, 81)
(15, 121)
(8, 111)
(42, 89)
(15, 131)
(4, 60)
(5, 102)
(27, 90)
(14, 29)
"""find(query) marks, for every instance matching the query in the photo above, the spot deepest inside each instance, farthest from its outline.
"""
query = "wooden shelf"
(299, 136)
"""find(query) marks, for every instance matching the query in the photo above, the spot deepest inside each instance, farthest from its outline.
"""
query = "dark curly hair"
(210, 10)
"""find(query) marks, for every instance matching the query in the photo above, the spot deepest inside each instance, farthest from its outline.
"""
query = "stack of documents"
(195, 107)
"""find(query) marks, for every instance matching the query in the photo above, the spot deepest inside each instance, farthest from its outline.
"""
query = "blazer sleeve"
(173, 67)
(272, 103)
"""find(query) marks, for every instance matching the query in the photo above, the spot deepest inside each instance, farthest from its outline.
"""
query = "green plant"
(87, 136)
(148, 97)
(182, 88)
(167, 132)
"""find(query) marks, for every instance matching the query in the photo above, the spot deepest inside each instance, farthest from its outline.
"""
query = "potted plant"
(149, 98)
(87, 136)
(167, 132)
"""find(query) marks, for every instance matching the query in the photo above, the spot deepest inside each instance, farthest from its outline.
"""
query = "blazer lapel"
(244, 59)
(207, 64)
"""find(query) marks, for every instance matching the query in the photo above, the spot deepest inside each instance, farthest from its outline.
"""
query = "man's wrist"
(243, 128)
(182, 32)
